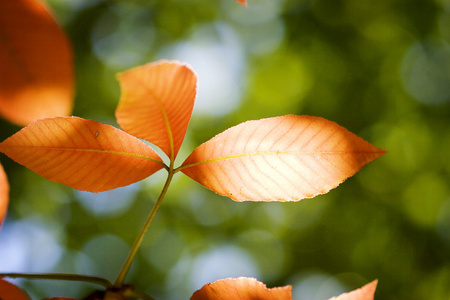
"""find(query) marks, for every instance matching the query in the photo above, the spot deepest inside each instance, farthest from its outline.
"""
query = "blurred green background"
(379, 68)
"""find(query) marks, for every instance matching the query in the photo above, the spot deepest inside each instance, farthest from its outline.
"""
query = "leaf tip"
(365, 292)
(156, 103)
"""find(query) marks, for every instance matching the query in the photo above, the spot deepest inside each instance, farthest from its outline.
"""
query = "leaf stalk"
(138, 241)
(61, 276)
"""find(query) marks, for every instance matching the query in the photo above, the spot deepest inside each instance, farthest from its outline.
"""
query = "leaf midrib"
(165, 116)
(261, 153)
(90, 150)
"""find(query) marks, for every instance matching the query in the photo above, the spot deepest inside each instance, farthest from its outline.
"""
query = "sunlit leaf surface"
(283, 158)
(367, 292)
(82, 154)
(4, 194)
(156, 103)
(241, 288)
(36, 72)
(9, 291)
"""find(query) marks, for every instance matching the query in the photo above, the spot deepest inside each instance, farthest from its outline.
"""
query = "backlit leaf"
(367, 292)
(36, 72)
(156, 103)
(82, 154)
(283, 158)
(9, 291)
(241, 288)
(4, 194)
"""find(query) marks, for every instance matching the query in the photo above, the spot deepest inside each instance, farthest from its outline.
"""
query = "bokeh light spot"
(424, 197)
(107, 252)
(215, 53)
(109, 203)
(123, 36)
(222, 262)
(316, 286)
(28, 246)
(426, 72)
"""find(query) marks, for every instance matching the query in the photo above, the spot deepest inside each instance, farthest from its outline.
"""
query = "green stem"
(56, 276)
(123, 272)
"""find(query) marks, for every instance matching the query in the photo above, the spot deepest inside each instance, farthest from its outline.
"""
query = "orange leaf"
(9, 291)
(157, 102)
(36, 72)
(241, 288)
(242, 2)
(4, 194)
(283, 158)
(82, 154)
(365, 293)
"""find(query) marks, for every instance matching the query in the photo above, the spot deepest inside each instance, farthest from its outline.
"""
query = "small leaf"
(367, 292)
(4, 194)
(241, 288)
(36, 71)
(82, 154)
(242, 2)
(157, 102)
(283, 158)
(9, 291)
